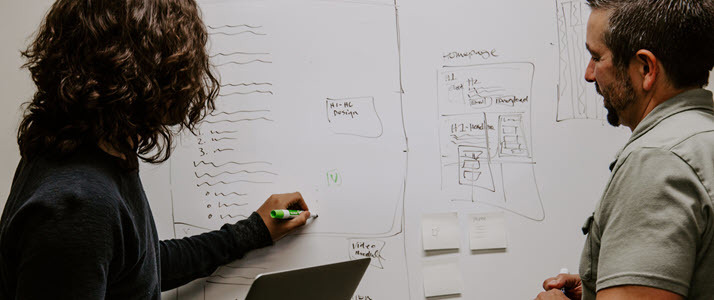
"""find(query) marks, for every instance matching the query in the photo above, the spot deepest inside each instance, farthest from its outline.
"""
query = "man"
(651, 235)
(113, 77)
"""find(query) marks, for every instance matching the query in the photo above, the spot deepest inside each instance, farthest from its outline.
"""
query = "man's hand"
(279, 228)
(552, 295)
(570, 282)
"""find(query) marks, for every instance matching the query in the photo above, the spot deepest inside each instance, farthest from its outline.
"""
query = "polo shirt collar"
(688, 100)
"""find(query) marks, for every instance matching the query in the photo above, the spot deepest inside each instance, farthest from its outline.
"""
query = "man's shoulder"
(679, 150)
(682, 145)
(689, 132)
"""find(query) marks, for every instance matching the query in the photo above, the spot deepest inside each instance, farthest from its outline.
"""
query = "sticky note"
(487, 231)
(442, 278)
(440, 231)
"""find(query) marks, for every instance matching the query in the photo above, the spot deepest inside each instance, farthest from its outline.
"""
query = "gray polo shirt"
(653, 226)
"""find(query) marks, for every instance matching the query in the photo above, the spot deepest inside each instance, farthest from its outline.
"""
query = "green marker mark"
(334, 178)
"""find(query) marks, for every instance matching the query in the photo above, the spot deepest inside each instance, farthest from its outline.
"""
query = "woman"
(115, 81)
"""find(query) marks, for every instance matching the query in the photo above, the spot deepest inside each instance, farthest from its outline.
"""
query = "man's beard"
(617, 96)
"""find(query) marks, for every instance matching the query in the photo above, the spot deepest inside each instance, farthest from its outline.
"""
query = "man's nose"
(590, 72)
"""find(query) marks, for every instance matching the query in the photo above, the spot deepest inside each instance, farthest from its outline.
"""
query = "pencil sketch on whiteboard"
(576, 98)
(486, 155)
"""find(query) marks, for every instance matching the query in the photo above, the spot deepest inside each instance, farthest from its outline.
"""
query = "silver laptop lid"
(336, 281)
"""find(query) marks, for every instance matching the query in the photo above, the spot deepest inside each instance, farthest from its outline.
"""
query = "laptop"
(336, 281)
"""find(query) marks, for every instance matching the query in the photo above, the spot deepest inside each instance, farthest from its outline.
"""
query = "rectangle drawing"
(577, 99)
(354, 116)
(512, 138)
(472, 171)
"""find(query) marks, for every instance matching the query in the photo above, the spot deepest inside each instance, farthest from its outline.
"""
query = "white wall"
(18, 20)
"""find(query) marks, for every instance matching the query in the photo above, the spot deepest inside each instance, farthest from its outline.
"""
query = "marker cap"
(284, 213)
(277, 214)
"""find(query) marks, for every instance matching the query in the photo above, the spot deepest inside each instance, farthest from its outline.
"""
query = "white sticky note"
(442, 278)
(487, 231)
(440, 231)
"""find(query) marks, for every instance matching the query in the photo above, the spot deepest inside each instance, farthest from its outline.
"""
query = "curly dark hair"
(120, 73)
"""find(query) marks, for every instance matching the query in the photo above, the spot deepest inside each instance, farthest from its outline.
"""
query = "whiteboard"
(381, 112)
(322, 116)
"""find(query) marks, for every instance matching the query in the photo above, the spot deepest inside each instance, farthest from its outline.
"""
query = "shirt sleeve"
(63, 249)
(190, 258)
(653, 222)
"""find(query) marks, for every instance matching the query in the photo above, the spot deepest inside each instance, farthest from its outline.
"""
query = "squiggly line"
(231, 204)
(223, 150)
(245, 62)
(469, 142)
(490, 89)
(223, 132)
(232, 216)
(238, 52)
(196, 164)
(237, 33)
(225, 138)
(231, 182)
(240, 120)
(232, 173)
(247, 93)
(468, 137)
(234, 26)
(237, 112)
(231, 193)
(246, 84)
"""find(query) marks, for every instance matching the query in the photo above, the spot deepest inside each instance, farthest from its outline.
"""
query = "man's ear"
(647, 68)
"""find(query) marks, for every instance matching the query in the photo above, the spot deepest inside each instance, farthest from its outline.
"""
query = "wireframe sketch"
(577, 99)
(486, 155)
(474, 169)
(289, 117)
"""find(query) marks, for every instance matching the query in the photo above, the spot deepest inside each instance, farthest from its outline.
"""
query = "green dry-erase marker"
(287, 214)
